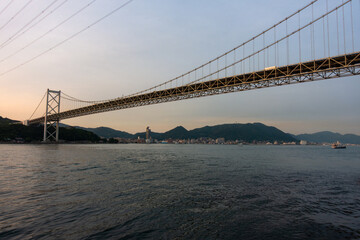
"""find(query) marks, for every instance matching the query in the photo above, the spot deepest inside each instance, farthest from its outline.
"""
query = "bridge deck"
(325, 68)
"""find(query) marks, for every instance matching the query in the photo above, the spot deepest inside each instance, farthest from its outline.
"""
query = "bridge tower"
(51, 126)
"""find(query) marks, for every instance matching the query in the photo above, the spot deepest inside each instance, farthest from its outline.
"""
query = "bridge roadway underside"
(326, 68)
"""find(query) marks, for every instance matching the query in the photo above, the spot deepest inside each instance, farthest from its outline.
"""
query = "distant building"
(148, 137)
(140, 140)
(220, 141)
(303, 142)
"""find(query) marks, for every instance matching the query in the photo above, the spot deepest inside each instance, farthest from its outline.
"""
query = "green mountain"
(329, 137)
(10, 131)
(246, 132)
(177, 133)
(108, 132)
(5, 121)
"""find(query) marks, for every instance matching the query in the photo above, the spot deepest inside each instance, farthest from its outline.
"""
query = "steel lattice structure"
(321, 69)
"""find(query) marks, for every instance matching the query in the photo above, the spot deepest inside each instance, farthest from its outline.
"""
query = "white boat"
(338, 145)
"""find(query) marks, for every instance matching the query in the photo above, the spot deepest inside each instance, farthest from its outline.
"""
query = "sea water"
(132, 191)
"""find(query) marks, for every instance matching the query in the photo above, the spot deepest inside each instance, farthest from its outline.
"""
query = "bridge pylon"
(51, 126)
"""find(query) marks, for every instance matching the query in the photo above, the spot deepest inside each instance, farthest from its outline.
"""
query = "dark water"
(179, 192)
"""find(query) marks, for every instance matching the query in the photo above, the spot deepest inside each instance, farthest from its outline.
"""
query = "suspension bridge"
(319, 41)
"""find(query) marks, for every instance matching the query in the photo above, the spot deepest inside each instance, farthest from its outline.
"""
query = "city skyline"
(147, 43)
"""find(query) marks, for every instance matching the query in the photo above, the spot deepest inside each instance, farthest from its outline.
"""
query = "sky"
(149, 42)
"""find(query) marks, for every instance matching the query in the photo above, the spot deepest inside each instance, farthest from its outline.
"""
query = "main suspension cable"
(38, 106)
(221, 56)
(70, 98)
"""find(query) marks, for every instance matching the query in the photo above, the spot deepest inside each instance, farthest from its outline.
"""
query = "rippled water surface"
(179, 192)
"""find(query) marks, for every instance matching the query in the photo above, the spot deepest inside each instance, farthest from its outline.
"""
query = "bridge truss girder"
(321, 69)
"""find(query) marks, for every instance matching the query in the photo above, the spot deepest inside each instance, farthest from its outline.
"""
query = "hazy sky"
(149, 42)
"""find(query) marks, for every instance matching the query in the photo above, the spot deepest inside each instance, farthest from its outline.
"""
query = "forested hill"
(329, 137)
(246, 132)
(10, 131)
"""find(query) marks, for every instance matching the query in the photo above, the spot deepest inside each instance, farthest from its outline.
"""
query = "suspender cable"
(328, 32)
(239, 46)
(337, 31)
(324, 38)
(312, 34)
(249, 64)
(195, 77)
(258, 64)
(287, 44)
(254, 56)
(299, 38)
(275, 47)
(243, 63)
(264, 51)
(225, 65)
(234, 67)
(343, 18)
(352, 26)
(291, 34)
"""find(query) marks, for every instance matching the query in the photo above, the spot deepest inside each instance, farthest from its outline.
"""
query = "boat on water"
(338, 145)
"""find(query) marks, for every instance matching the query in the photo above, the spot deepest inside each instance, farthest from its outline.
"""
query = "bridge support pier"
(51, 126)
